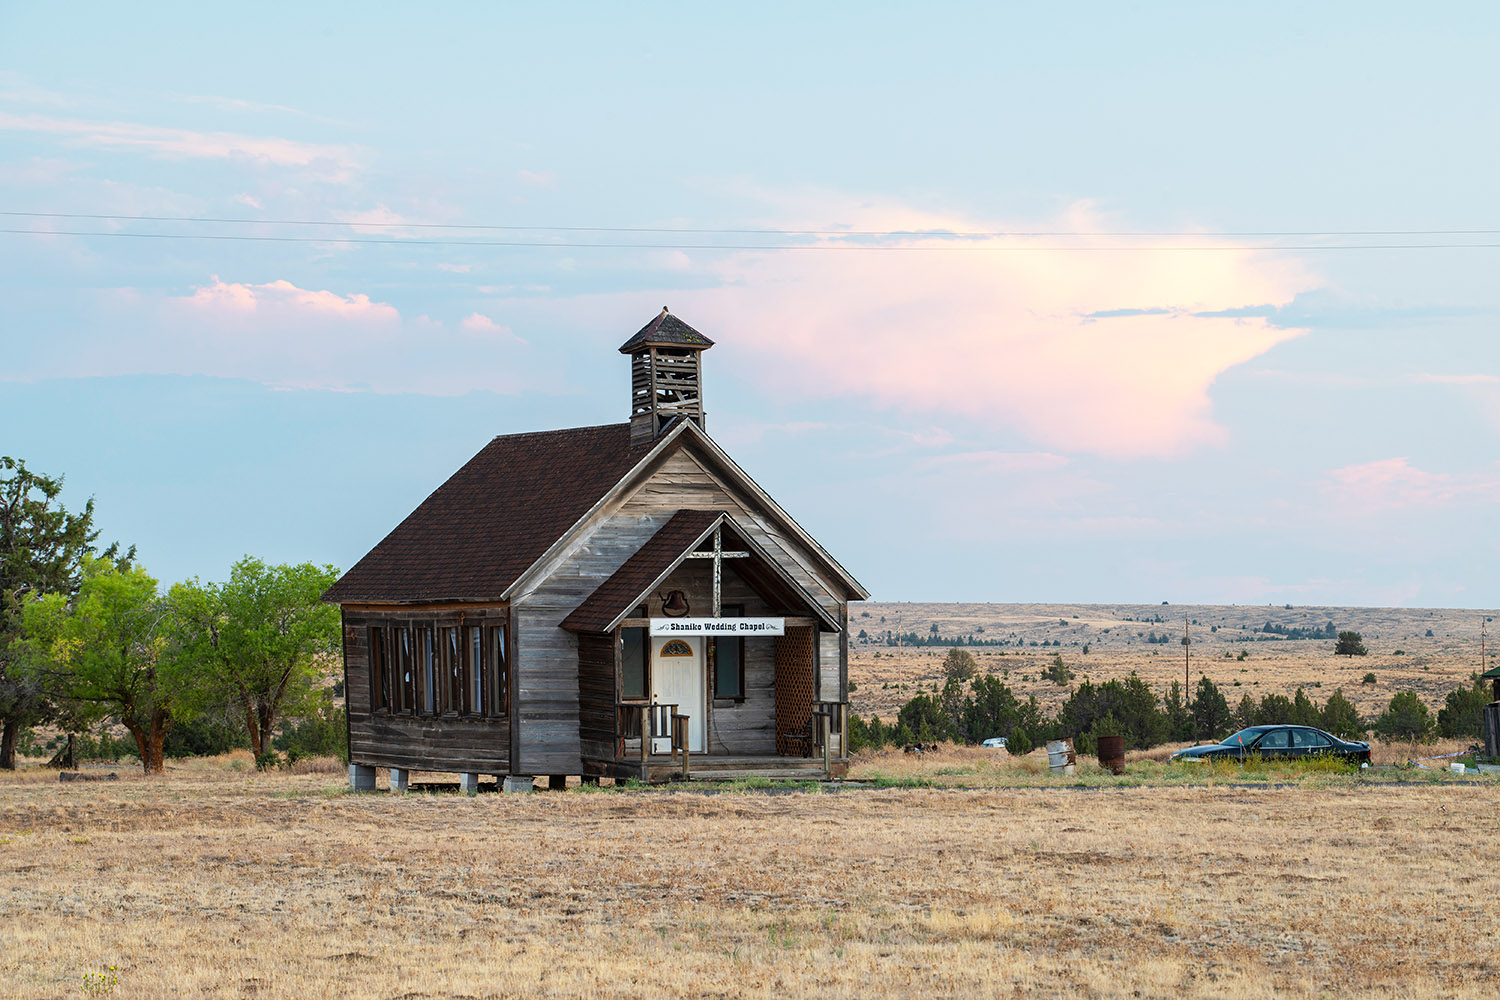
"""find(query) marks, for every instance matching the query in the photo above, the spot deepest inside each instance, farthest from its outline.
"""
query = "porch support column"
(361, 778)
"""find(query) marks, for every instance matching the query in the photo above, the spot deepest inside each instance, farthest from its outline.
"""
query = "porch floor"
(716, 767)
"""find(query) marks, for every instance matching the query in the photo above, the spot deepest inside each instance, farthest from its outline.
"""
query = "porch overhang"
(644, 572)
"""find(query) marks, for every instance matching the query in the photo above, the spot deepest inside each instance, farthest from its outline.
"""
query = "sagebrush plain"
(213, 881)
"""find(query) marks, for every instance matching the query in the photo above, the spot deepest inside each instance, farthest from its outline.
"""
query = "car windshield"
(1244, 737)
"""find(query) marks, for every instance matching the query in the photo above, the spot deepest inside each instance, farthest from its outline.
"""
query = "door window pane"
(1311, 739)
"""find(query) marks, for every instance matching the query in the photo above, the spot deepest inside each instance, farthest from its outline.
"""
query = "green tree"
(959, 665)
(1304, 712)
(1463, 710)
(265, 638)
(111, 654)
(1058, 673)
(1211, 716)
(1340, 718)
(1247, 713)
(42, 551)
(1275, 710)
(994, 710)
(1406, 718)
(1350, 644)
(1179, 714)
(924, 719)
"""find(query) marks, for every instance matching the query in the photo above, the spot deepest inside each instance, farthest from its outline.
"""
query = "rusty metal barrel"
(1060, 757)
(1112, 753)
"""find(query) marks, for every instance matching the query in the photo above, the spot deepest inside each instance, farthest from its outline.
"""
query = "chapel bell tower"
(666, 376)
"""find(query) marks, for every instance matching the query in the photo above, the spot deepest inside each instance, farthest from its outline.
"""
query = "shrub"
(1406, 718)
(1463, 710)
(1019, 743)
(204, 736)
(1058, 673)
(324, 734)
(1368, 678)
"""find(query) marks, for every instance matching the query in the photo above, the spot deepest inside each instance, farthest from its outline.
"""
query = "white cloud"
(335, 163)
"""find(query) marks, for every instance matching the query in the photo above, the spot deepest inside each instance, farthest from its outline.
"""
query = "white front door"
(677, 678)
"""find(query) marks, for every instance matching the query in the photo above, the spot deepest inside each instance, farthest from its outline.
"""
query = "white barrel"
(1060, 757)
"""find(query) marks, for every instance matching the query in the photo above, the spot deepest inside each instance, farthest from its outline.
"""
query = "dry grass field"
(1116, 634)
(212, 882)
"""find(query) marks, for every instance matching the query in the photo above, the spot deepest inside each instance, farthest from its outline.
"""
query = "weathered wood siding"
(596, 696)
(386, 739)
(546, 662)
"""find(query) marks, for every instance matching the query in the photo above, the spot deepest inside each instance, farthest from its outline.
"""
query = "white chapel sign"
(718, 626)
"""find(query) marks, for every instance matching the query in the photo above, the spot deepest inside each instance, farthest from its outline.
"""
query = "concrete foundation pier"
(400, 779)
(516, 783)
(361, 778)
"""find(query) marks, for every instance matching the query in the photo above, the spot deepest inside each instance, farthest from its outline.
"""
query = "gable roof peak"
(666, 330)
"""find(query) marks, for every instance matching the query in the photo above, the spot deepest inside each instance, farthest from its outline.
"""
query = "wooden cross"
(718, 555)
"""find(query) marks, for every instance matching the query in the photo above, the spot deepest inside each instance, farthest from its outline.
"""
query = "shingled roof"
(479, 531)
(666, 330)
(623, 589)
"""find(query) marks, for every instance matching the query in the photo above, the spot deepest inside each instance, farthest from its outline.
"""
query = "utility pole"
(1186, 647)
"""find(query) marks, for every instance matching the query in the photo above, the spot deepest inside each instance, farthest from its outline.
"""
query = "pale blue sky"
(960, 419)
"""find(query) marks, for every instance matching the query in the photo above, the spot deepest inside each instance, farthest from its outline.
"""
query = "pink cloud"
(283, 297)
(286, 336)
(479, 323)
(995, 332)
(998, 461)
(1394, 483)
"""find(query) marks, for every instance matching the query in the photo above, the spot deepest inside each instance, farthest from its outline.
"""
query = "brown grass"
(1431, 666)
(219, 883)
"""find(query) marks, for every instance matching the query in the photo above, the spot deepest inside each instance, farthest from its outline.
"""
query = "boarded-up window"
(406, 691)
(497, 670)
(451, 659)
(380, 689)
(427, 671)
(475, 663)
(632, 663)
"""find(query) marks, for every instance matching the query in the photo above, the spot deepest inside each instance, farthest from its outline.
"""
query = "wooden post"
(823, 725)
(645, 742)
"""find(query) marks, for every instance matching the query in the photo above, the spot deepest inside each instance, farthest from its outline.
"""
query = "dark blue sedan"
(1278, 742)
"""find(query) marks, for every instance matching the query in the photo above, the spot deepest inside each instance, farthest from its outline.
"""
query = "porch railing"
(649, 722)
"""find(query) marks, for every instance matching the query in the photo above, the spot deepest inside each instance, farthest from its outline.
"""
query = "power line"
(927, 247)
(687, 231)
